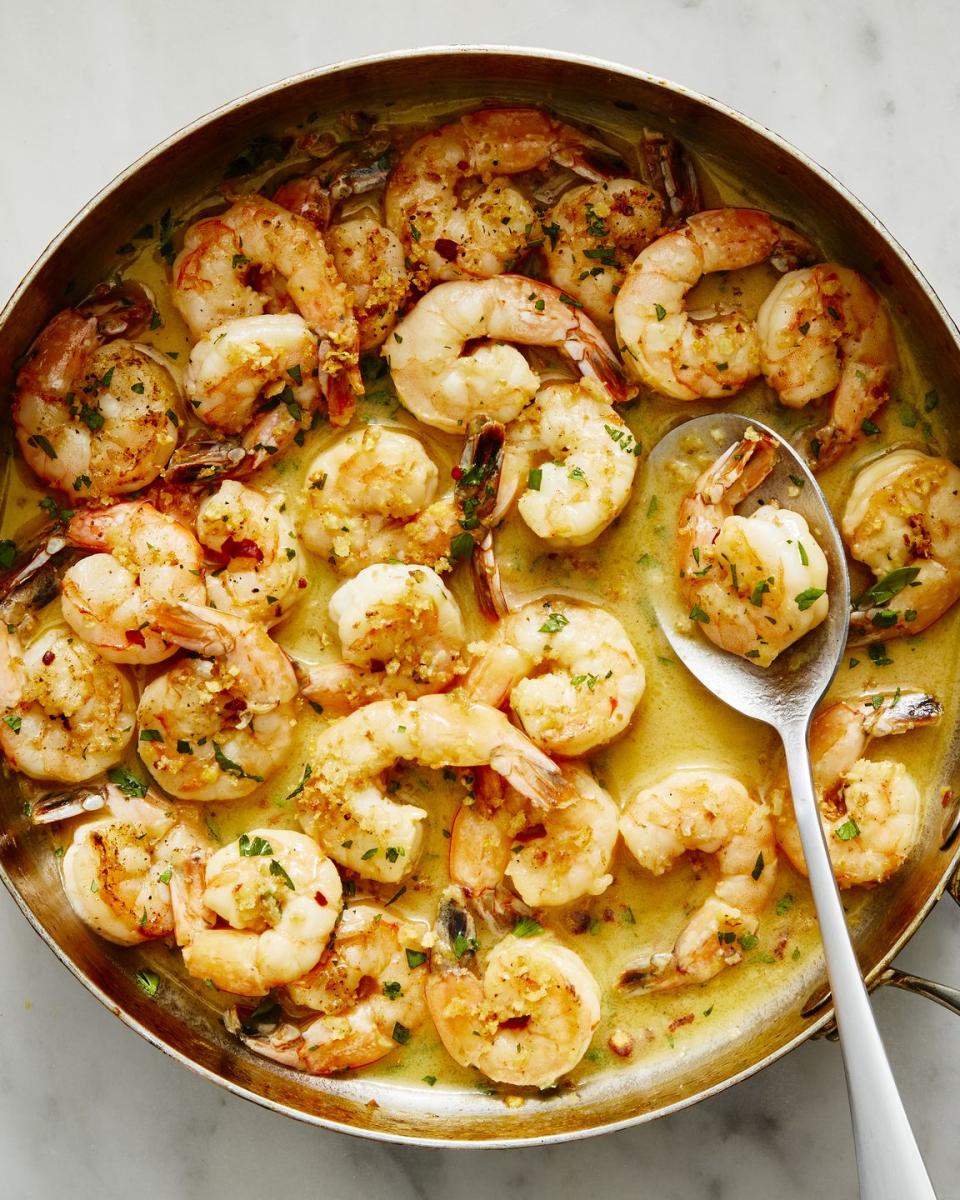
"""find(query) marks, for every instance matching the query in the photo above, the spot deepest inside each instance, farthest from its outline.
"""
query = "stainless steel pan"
(774, 175)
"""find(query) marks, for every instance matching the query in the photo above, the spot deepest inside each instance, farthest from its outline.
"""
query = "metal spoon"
(785, 695)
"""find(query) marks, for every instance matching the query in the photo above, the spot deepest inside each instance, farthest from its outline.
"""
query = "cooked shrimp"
(568, 670)
(870, 811)
(117, 869)
(689, 356)
(212, 728)
(401, 634)
(372, 497)
(280, 898)
(824, 332)
(144, 558)
(97, 415)
(65, 713)
(449, 230)
(711, 813)
(572, 458)
(365, 997)
(262, 570)
(592, 235)
(345, 801)
(446, 388)
(755, 584)
(552, 857)
(528, 1020)
(902, 520)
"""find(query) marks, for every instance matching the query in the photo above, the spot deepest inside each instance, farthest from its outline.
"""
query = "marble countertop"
(868, 89)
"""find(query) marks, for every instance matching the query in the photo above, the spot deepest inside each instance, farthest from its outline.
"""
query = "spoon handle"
(888, 1160)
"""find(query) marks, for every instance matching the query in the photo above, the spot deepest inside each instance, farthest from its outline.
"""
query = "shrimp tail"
(121, 310)
(899, 712)
(456, 932)
(670, 170)
(650, 972)
(282, 1045)
(33, 579)
(595, 360)
(196, 627)
(487, 584)
(76, 802)
(533, 775)
(341, 393)
(205, 459)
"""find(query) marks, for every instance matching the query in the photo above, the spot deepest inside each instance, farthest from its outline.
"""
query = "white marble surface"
(871, 91)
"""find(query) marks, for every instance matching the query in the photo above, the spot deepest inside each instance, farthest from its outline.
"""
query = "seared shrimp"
(447, 389)
(144, 559)
(451, 230)
(711, 813)
(401, 634)
(364, 998)
(65, 713)
(552, 857)
(870, 810)
(212, 728)
(756, 584)
(372, 497)
(97, 415)
(345, 801)
(592, 235)
(683, 355)
(528, 1020)
(568, 670)
(572, 459)
(902, 520)
(261, 571)
(280, 898)
(824, 332)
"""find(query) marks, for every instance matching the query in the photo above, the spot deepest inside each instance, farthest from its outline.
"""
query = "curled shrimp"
(688, 356)
(212, 728)
(373, 496)
(279, 898)
(401, 634)
(569, 671)
(446, 388)
(592, 235)
(755, 584)
(711, 813)
(65, 713)
(552, 857)
(824, 332)
(870, 810)
(261, 571)
(528, 1019)
(902, 520)
(97, 415)
(345, 802)
(143, 558)
(364, 997)
(572, 459)
(449, 230)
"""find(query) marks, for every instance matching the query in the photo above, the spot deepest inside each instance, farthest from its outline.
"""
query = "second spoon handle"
(888, 1160)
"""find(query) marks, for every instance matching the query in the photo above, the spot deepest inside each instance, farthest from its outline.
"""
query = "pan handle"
(949, 997)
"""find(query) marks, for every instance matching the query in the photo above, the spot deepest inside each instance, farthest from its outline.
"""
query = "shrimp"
(552, 857)
(401, 634)
(592, 235)
(345, 803)
(688, 356)
(65, 713)
(262, 570)
(365, 997)
(568, 670)
(870, 811)
(528, 1020)
(446, 388)
(756, 584)
(824, 332)
(902, 520)
(213, 728)
(280, 898)
(450, 230)
(708, 812)
(572, 458)
(143, 558)
(372, 496)
(97, 415)
(117, 869)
